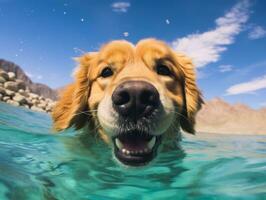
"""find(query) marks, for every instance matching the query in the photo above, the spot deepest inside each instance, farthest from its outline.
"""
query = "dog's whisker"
(95, 110)
(95, 132)
(86, 112)
(81, 113)
(173, 125)
(178, 113)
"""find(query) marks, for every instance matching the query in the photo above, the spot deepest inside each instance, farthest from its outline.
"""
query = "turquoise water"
(34, 164)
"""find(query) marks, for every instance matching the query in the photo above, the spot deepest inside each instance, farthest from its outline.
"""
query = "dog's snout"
(135, 99)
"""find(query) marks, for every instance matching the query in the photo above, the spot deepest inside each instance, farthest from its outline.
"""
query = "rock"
(49, 108)
(11, 76)
(1, 96)
(29, 102)
(35, 108)
(4, 75)
(21, 84)
(10, 93)
(33, 96)
(35, 101)
(20, 99)
(23, 93)
(2, 80)
(2, 91)
(6, 98)
(27, 90)
(42, 105)
(49, 100)
(10, 85)
(14, 103)
(26, 106)
(42, 98)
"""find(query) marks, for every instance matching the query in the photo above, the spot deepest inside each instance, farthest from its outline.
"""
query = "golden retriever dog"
(135, 97)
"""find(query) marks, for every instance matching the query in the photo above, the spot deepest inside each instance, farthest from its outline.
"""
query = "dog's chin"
(135, 148)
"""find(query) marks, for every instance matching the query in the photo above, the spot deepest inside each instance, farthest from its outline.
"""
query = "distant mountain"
(38, 88)
(218, 116)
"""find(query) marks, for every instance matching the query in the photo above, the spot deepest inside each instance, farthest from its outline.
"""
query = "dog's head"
(135, 97)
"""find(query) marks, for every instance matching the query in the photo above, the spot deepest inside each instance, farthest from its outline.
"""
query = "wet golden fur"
(129, 62)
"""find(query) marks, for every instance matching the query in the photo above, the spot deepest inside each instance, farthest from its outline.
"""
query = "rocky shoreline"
(15, 92)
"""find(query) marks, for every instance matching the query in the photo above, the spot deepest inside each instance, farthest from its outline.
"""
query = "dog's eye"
(106, 72)
(163, 70)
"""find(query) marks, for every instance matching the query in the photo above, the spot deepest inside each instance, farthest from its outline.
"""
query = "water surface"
(35, 164)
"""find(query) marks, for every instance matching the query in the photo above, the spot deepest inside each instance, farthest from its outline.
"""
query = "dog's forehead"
(119, 49)
(122, 49)
(152, 46)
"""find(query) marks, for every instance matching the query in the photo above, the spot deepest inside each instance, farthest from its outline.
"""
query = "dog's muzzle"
(136, 103)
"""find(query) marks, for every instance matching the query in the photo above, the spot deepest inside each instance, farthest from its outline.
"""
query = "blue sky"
(226, 39)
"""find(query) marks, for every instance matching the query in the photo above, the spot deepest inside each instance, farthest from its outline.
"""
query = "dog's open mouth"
(135, 148)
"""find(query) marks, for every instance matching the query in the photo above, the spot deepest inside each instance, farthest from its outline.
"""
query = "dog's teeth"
(152, 142)
(118, 143)
(141, 151)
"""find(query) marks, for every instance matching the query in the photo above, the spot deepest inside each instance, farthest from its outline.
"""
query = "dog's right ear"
(73, 101)
(192, 95)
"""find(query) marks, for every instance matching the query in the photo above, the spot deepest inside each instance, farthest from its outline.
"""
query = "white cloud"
(121, 7)
(126, 34)
(225, 68)
(78, 50)
(206, 47)
(257, 32)
(248, 87)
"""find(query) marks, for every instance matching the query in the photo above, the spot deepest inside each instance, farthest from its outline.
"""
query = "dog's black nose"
(135, 99)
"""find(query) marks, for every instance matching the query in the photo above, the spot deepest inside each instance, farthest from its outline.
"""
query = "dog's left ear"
(69, 109)
(192, 95)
